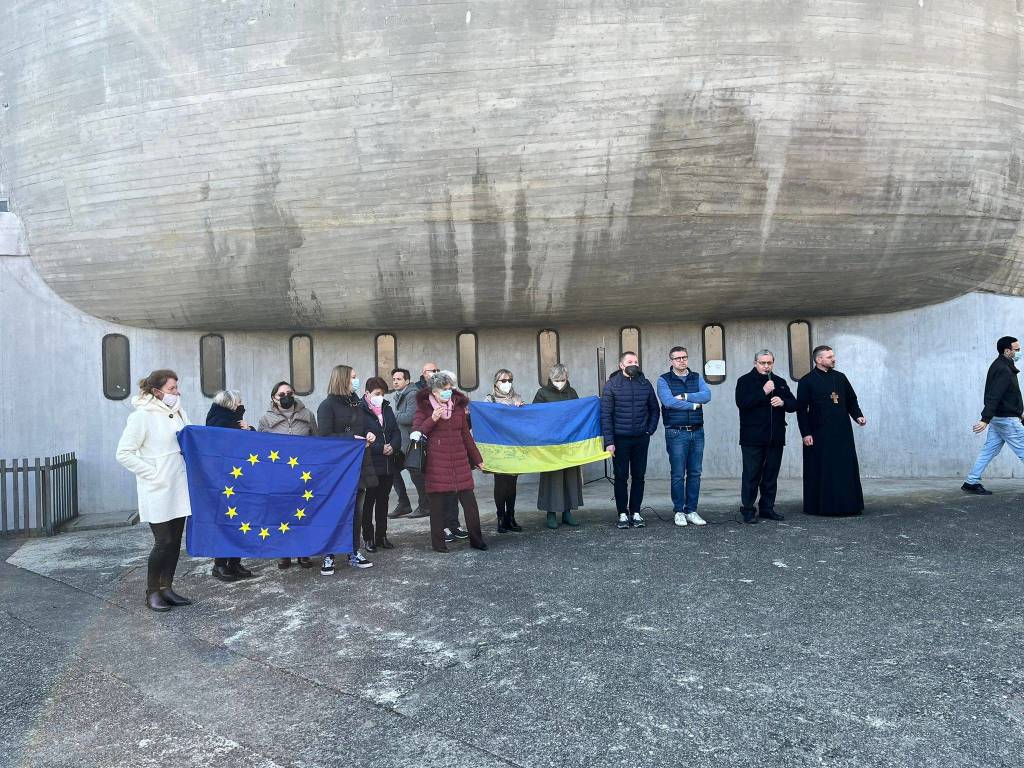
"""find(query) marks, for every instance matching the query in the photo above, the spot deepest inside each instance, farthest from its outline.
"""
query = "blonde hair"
(341, 380)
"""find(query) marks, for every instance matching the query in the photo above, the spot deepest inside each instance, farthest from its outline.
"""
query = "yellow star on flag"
(229, 491)
(283, 528)
(253, 459)
(307, 495)
(232, 511)
(245, 528)
(263, 534)
(306, 477)
(300, 513)
(236, 472)
(274, 456)
(292, 462)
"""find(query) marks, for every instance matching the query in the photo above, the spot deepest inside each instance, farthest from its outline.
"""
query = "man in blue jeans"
(683, 393)
(1001, 415)
(629, 416)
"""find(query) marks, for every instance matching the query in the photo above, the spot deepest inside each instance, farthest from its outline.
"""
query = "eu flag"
(257, 494)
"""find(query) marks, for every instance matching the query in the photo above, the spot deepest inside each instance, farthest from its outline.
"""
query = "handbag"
(416, 457)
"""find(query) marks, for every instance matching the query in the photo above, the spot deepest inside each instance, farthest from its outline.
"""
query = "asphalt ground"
(890, 639)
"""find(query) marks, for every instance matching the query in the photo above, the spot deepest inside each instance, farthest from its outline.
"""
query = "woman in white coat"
(149, 448)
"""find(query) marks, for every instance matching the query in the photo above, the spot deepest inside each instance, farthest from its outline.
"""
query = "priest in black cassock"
(825, 404)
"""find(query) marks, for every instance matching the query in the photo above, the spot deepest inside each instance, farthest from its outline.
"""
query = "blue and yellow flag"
(256, 494)
(538, 438)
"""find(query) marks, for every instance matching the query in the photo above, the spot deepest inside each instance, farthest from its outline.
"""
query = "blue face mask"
(355, 384)
(445, 395)
(1016, 356)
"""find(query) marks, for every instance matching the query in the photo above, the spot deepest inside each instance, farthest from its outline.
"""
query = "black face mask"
(240, 411)
(632, 371)
(287, 401)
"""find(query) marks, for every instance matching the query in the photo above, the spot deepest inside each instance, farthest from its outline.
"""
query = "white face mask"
(169, 400)
(504, 387)
(377, 401)
(559, 384)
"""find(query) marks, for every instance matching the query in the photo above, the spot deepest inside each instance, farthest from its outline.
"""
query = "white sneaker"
(680, 519)
(636, 521)
(694, 519)
(623, 521)
(358, 561)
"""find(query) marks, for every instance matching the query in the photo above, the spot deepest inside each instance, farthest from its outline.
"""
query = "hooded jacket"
(451, 450)
(298, 420)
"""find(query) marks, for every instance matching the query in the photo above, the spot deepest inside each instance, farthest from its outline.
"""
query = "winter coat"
(299, 420)
(405, 412)
(760, 423)
(629, 408)
(451, 450)
(149, 448)
(548, 393)
(388, 433)
(1002, 391)
(340, 416)
(219, 416)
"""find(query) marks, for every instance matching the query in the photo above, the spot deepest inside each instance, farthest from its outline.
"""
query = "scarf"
(377, 411)
(447, 413)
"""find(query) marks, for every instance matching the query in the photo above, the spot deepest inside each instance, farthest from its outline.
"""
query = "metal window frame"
(704, 353)
(376, 355)
(789, 345)
(291, 363)
(128, 358)
(202, 364)
(476, 358)
(639, 343)
(542, 375)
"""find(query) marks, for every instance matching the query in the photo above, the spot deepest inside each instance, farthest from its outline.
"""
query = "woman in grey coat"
(503, 393)
(288, 416)
(560, 491)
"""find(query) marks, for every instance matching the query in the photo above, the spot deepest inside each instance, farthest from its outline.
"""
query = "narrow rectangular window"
(629, 341)
(547, 354)
(714, 353)
(300, 360)
(117, 375)
(211, 364)
(467, 361)
(799, 349)
(385, 355)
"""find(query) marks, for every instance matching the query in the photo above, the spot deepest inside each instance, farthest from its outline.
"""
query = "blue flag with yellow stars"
(258, 494)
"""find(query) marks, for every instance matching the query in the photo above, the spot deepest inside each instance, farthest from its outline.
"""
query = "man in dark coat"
(629, 416)
(825, 403)
(763, 399)
(1001, 415)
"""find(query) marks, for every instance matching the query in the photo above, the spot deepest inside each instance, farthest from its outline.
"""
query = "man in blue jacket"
(683, 394)
(629, 416)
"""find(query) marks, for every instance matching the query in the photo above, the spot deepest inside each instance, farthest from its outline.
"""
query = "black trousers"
(375, 509)
(422, 499)
(163, 558)
(505, 493)
(761, 465)
(441, 505)
(399, 486)
(223, 561)
(630, 463)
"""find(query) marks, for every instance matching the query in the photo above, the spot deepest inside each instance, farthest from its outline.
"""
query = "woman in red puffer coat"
(443, 420)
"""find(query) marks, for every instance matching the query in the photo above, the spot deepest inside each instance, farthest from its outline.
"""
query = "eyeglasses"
(431, 370)
(284, 394)
(504, 381)
(677, 359)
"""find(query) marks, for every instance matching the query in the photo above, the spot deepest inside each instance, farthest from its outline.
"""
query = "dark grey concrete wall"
(190, 164)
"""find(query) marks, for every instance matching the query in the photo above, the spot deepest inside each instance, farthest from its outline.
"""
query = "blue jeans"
(685, 455)
(1002, 429)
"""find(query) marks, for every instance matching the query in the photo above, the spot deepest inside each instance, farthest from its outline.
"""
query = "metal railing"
(37, 495)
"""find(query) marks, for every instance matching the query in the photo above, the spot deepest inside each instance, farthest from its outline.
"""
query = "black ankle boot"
(155, 602)
(502, 522)
(510, 521)
(173, 598)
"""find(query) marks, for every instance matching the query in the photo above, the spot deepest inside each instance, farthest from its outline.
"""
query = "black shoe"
(306, 562)
(383, 543)
(284, 563)
(771, 514)
(173, 598)
(976, 488)
(749, 516)
(155, 602)
(445, 550)
(482, 546)
(221, 572)
(458, 533)
(369, 546)
(449, 537)
(512, 524)
(503, 523)
(403, 509)
(238, 570)
(419, 512)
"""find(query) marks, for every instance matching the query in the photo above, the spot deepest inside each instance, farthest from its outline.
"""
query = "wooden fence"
(37, 495)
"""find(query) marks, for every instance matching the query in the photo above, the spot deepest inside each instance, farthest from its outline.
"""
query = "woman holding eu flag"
(560, 491)
(503, 393)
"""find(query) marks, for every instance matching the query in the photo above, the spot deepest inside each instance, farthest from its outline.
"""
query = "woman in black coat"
(381, 422)
(228, 412)
(560, 491)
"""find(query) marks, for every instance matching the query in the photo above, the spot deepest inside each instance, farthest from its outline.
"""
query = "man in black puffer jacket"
(629, 416)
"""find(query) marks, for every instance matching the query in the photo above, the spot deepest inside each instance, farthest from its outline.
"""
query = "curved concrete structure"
(190, 164)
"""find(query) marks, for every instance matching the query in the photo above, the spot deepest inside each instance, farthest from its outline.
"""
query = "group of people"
(434, 413)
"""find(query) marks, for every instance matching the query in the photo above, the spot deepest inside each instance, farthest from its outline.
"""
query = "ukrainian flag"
(538, 438)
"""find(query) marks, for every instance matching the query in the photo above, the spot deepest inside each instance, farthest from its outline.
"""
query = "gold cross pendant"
(835, 398)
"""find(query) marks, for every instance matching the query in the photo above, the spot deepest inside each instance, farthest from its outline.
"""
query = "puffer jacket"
(451, 450)
(629, 408)
(297, 421)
